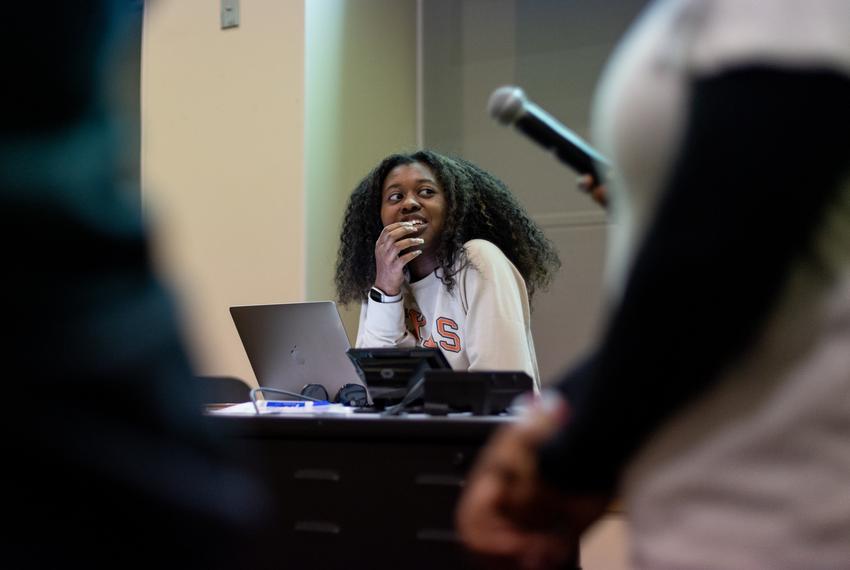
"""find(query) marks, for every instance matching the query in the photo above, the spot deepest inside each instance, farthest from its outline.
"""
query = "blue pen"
(295, 404)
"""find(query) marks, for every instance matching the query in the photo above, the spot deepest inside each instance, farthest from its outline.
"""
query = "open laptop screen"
(290, 345)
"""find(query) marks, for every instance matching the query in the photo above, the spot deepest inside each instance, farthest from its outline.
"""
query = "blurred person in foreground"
(105, 459)
(716, 402)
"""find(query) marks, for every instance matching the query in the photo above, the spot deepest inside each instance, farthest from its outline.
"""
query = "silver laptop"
(294, 344)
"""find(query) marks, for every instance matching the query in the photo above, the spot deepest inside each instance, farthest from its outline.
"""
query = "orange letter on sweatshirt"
(444, 329)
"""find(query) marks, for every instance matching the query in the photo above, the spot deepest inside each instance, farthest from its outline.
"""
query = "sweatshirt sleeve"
(497, 321)
(382, 326)
(760, 162)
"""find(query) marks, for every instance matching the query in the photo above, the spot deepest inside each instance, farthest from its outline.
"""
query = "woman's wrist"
(380, 295)
(386, 288)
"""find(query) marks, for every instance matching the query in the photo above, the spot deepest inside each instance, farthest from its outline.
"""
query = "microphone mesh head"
(506, 104)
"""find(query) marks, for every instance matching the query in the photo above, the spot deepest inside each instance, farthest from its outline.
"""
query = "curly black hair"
(479, 206)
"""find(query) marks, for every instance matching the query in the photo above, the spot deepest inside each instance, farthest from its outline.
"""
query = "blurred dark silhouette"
(106, 461)
(714, 401)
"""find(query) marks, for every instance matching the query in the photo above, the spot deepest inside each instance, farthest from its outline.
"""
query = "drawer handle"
(318, 475)
(323, 527)
(436, 480)
(436, 535)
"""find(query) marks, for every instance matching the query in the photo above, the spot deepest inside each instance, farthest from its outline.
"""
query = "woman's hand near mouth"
(394, 249)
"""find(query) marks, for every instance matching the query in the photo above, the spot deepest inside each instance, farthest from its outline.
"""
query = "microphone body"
(510, 106)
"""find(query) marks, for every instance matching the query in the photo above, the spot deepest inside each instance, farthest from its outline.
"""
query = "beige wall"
(360, 107)
(253, 139)
(223, 163)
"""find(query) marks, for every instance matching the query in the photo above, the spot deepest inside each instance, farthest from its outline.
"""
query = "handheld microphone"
(509, 106)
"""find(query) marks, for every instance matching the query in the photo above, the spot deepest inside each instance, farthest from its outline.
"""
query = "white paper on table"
(280, 407)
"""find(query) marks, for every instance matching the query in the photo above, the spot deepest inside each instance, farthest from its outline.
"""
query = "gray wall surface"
(555, 50)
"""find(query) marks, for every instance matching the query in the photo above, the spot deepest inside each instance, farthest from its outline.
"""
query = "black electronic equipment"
(482, 393)
(391, 373)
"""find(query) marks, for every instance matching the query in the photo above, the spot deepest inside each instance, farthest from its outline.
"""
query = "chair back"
(223, 390)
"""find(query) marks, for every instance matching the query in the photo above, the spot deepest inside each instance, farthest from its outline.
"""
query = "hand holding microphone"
(599, 192)
(509, 106)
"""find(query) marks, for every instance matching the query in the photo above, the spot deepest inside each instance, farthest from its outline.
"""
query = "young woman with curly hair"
(442, 255)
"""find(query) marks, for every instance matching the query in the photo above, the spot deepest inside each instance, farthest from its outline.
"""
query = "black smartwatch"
(379, 296)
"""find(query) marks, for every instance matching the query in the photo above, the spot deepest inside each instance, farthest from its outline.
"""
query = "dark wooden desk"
(363, 492)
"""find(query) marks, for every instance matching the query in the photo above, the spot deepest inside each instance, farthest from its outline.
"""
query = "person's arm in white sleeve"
(497, 321)
(382, 326)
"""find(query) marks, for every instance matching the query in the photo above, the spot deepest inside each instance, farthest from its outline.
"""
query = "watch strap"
(379, 296)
